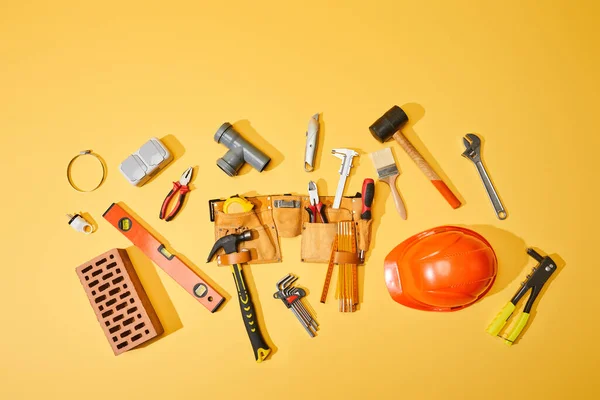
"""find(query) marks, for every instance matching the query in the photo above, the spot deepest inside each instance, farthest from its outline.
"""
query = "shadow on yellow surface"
(251, 135)
(146, 271)
(320, 143)
(510, 250)
(89, 219)
(174, 146)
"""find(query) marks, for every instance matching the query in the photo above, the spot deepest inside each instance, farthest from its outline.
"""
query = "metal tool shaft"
(292, 298)
(491, 190)
(472, 151)
(339, 192)
(303, 311)
(304, 324)
(306, 319)
(346, 155)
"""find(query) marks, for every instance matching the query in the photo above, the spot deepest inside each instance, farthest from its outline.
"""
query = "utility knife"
(312, 135)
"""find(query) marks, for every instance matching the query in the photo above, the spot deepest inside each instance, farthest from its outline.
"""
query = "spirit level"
(168, 262)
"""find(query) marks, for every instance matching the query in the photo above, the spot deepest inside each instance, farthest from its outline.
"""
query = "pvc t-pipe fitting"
(240, 151)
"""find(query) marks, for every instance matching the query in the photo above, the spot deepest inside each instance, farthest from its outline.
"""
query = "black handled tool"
(535, 281)
(229, 244)
(368, 194)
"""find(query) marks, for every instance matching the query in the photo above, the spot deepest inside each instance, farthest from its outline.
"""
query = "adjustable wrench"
(473, 153)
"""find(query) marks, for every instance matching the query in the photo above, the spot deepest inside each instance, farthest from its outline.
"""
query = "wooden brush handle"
(391, 180)
(424, 166)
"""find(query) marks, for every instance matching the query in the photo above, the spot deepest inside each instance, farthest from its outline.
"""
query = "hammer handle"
(424, 166)
(259, 346)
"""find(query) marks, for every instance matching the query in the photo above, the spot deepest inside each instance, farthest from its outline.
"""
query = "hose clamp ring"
(86, 153)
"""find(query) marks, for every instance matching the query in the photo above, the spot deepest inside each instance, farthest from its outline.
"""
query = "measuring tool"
(167, 261)
(346, 155)
(347, 288)
(343, 253)
(237, 204)
(329, 270)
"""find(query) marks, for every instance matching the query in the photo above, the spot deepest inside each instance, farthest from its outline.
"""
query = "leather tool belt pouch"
(285, 216)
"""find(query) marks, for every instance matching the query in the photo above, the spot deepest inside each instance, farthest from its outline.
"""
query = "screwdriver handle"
(368, 194)
(259, 346)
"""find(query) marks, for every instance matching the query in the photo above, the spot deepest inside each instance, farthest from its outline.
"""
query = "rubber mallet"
(388, 126)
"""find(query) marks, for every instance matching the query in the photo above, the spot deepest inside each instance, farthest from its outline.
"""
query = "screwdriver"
(368, 195)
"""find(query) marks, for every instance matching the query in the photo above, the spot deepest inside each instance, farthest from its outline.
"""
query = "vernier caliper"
(346, 155)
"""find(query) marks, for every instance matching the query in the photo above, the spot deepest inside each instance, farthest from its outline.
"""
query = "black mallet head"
(384, 128)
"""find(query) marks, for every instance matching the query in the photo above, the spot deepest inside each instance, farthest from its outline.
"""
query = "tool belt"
(284, 216)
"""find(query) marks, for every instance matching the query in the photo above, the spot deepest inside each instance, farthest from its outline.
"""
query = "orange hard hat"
(446, 268)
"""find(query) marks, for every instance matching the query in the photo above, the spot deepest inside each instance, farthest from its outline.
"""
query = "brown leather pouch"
(264, 246)
(317, 238)
(363, 233)
(287, 214)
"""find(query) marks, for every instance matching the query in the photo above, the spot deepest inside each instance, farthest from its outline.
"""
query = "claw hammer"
(230, 244)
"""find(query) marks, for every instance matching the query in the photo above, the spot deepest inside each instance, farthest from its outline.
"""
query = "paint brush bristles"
(384, 163)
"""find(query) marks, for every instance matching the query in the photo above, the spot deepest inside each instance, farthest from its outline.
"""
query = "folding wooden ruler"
(343, 241)
(329, 270)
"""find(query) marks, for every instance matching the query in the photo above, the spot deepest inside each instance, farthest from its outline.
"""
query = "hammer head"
(229, 243)
(384, 128)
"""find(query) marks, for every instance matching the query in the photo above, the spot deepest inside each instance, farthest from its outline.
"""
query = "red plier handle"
(177, 188)
(313, 210)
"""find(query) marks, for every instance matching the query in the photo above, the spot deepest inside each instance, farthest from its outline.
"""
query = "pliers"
(315, 204)
(535, 281)
(180, 187)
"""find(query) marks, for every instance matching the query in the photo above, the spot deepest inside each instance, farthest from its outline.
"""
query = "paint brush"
(387, 171)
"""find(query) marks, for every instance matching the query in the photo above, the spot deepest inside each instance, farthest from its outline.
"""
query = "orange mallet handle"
(424, 166)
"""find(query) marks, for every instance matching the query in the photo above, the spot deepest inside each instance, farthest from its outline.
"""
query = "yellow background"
(78, 75)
